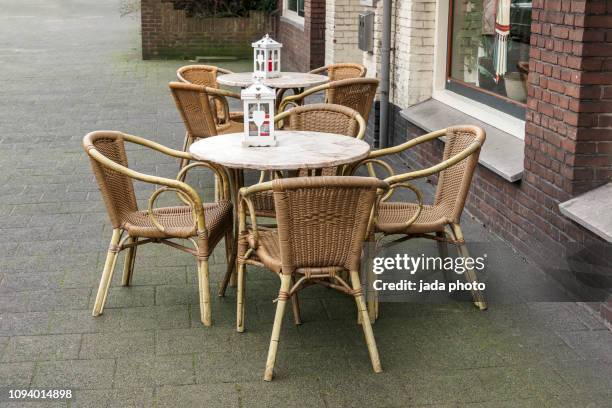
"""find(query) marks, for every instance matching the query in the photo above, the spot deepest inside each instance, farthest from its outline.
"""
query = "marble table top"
(285, 80)
(295, 150)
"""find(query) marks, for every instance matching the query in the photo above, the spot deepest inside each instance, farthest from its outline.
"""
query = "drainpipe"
(384, 73)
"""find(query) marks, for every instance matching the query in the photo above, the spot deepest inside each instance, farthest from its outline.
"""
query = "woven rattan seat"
(392, 217)
(178, 222)
(203, 224)
(268, 249)
(322, 223)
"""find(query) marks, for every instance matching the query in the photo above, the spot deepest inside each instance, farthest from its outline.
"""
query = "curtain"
(502, 30)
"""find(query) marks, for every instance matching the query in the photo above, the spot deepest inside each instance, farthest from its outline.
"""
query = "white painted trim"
(292, 15)
(484, 113)
(480, 111)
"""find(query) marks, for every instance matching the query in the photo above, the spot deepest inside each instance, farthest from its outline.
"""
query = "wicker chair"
(205, 75)
(204, 225)
(415, 220)
(316, 118)
(322, 224)
(355, 93)
(345, 70)
(194, 102)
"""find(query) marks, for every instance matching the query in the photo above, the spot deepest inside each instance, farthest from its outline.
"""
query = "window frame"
(291, 14)
(471, 91)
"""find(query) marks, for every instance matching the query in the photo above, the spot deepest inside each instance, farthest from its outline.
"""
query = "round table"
(295, 150)
(284, 81)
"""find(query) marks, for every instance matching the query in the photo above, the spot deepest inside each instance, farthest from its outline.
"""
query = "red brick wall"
(303, 46)
(568, 143)
(169, 33)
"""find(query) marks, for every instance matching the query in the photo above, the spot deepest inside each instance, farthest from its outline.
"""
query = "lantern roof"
(257, 90)
(266, 42)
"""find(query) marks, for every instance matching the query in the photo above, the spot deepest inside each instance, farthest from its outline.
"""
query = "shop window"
(488, 59)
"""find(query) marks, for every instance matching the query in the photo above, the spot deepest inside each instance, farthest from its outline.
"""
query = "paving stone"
(35, 348)
(12, 324)
(152, 371)
(125, 296)
(74, 374)
(114, 398)
(204, 395)
(16, 374)
(194, 340)
(117, 345)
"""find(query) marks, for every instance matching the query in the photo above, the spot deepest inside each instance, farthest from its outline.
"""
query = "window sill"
(294, 20)
(486, 114)
(502, 152)
(592, 211)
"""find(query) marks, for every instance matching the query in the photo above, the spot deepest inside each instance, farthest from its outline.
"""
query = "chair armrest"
(400, 178)
(245, 199)
(318, 70)
(407, 145)
(219, 171)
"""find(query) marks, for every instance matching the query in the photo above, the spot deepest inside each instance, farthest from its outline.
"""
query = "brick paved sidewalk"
(69, 67)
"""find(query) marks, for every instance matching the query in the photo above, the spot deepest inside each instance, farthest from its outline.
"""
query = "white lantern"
(267, 58)
(258, 101)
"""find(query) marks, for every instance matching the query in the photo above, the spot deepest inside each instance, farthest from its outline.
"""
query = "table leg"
(236, 178)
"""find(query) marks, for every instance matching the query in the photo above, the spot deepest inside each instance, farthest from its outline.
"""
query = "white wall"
(341, 22)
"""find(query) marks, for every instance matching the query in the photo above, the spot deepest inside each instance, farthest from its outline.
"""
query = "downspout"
(385, 63)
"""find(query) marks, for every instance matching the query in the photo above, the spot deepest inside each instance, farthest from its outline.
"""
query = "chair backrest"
(325, 117)
(357, 94)
(205, 75)
(117, 189)
(345, 70)
(454, 182)
(194, 105)
(322, 221)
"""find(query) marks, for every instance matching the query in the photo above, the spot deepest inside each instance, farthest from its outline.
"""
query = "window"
(294, 8)
(488, 56)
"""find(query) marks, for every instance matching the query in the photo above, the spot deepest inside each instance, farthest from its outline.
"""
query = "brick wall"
(303, 44)
(341, 17)
(567, 146)
(169, 33)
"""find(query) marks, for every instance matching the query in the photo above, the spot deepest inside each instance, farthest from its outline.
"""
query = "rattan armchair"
(322, 224)
(203, 225)
(205, 75)
(316, 118)
(335, 72)
(195, 104)
(441, 220)
(355, 93)
(344, 70)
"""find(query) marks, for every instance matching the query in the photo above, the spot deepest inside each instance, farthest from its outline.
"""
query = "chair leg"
(107, 273)
(470, 275)
(240, 298)
(184, 162)
(443, 253)
(295, 304)
(365, 324)
(230, 256)
(204, 289)
(128, 266)
(278, 322)
(371, 294)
